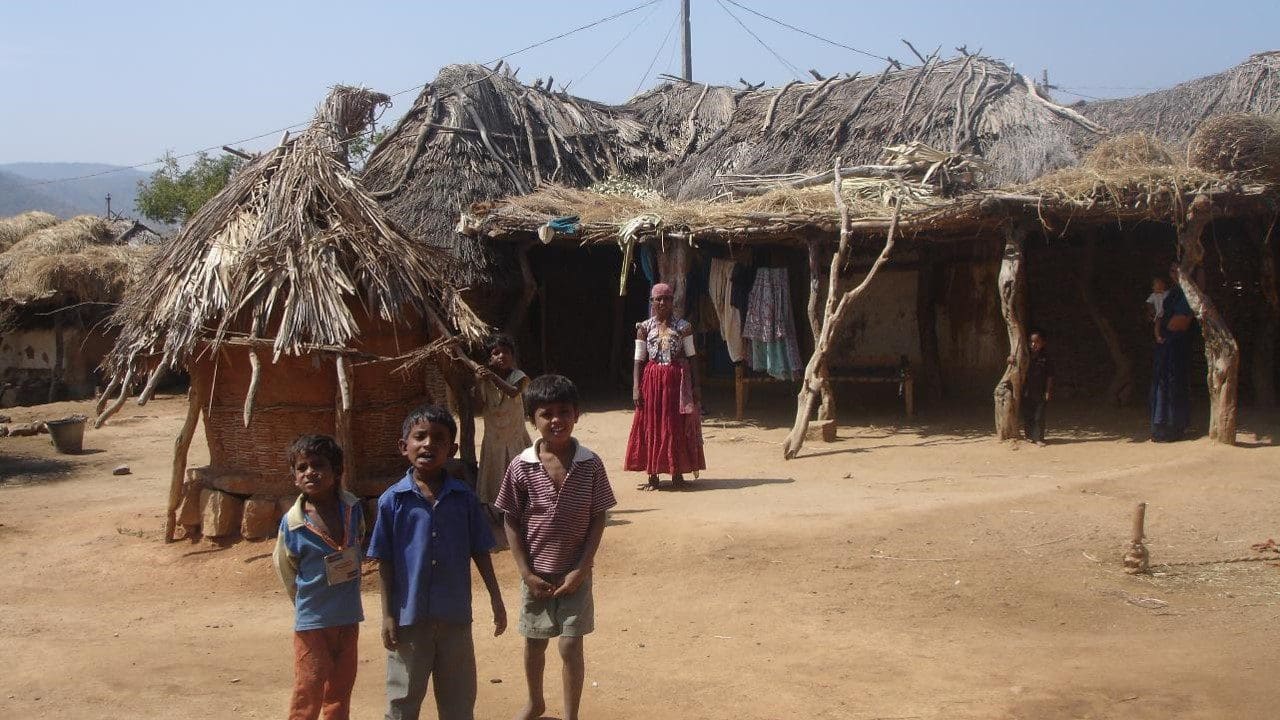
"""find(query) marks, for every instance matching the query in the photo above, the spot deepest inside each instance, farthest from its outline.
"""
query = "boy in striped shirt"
(554, 496)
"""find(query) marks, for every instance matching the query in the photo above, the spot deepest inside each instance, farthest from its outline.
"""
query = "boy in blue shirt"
(429, 528)
(318, 558)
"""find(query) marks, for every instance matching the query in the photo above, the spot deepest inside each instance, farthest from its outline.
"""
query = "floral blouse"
(664, 345)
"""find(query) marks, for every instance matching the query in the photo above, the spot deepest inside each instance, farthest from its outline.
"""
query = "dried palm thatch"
(1174, 114)
(1247, 146)
(475, 133)
(79, 260)
(1127, 151)
(970, 104)
(13, 229)
(289, 252)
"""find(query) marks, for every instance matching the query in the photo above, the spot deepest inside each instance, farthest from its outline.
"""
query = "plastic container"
(67, 434)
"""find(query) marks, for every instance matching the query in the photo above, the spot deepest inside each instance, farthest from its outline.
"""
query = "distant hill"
(74, 197)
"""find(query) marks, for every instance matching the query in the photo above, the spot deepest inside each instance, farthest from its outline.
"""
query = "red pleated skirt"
(663, 440)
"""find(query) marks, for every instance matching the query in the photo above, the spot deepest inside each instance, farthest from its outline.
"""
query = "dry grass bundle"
(1125, 151)
(71, 236)
(99, 273)
(1150, 186)
(291, 250)
(13, 229)
(1243, 144)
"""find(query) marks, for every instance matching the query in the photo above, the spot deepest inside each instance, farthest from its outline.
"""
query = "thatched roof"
(1071, 197)
(288, 254)
(1172, 115)
(51, 264)
(474, 134)
(969, 104)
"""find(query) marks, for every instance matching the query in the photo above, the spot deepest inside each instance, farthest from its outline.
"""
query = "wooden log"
(150, 388)
(1011, 286)
(528, 290)
(342, 426)
(105, 397)
(1222, 353)
(773, 106)
(197, 397)
(692, 122)
(1120, 391)
(833, 317)
(255, 378)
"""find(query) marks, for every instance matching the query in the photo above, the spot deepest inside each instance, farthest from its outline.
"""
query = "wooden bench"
(874, 369)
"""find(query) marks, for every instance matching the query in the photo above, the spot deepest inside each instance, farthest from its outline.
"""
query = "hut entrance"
(578, 326)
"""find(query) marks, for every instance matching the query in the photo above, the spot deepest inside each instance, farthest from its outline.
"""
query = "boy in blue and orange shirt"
(317, 556)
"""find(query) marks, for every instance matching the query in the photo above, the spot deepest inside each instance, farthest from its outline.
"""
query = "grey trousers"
(439, 651)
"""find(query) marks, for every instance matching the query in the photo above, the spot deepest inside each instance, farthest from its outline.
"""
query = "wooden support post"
(927, 285)
(827, 404)
(197, 398)
(1264, 355)
(739, 392)
(1120, 391)
(1222, 353)
(834, 315)
(342, 429)
(1137, 560)
(528, 290)
(59, 357)
(1011, 286)
(255, 379)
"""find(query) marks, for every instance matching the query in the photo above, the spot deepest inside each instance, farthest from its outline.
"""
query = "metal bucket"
(67, 434)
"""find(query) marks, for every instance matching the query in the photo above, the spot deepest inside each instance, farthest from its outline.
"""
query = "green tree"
(174, 194)
(360, 146)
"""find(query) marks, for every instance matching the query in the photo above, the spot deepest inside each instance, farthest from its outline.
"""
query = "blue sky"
(123, 81)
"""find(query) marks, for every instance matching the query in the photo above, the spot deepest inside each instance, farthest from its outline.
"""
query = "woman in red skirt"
(666, 433)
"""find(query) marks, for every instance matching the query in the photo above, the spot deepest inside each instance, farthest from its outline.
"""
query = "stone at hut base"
(4, 430)
(285, 504)
(220, 513)
(243, 484)
(189, 511)
(121, 470)
(261, 518)
(824, 430)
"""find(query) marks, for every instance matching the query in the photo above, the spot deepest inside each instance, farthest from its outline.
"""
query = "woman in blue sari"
(1170, 379)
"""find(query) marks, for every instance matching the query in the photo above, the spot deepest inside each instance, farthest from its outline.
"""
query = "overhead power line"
(217, 146)
(656, 6)
(790, 67)
(649, 69)
(813, 35)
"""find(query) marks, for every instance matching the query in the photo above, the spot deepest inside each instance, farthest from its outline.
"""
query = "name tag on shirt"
(342, 566)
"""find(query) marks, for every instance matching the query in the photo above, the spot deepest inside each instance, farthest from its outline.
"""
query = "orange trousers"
(324, 671)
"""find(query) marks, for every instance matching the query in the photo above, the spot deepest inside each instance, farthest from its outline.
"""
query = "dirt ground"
(919, 571)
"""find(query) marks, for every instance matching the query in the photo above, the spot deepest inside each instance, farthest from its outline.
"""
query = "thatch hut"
(291, 299)
(59, 281)
(970, 268)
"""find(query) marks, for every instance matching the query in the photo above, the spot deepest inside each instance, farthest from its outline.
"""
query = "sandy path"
(755, 596)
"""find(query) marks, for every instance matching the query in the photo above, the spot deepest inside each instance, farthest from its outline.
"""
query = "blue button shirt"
(430, 548)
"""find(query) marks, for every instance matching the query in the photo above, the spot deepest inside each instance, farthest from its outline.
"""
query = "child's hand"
(572, 582)
(637, 398)
(390, 640)
(499, 617)
(483, 373)
(538, 587)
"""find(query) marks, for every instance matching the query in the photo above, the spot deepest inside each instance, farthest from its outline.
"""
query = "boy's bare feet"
(531, 711)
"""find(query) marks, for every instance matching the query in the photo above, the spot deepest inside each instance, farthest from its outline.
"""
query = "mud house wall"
(27, 358)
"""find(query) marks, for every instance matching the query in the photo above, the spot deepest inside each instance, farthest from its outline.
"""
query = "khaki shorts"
(569, 616)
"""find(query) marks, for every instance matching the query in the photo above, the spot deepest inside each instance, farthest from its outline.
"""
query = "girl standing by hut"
(500, 385)
(666, 432)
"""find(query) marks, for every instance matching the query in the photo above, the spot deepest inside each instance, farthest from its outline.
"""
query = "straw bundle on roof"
(1127, 151)
(1245, 145)
(288, 252)
(1174, 114)
(13, 229)
(73, 261)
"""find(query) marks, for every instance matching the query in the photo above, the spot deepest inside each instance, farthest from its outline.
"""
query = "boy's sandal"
(654, 482)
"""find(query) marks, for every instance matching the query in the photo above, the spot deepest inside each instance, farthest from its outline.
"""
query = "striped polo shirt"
(554, 523)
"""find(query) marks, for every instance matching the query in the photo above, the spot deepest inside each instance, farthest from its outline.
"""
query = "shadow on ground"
(28, 470)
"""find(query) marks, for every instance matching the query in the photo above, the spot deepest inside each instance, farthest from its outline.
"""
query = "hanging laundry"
(770, 326)
(721, 290)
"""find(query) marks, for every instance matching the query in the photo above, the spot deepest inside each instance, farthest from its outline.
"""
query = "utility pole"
(108, 206)
(688, 53)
